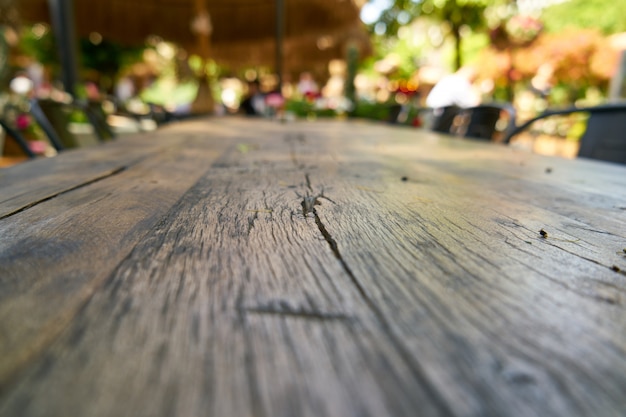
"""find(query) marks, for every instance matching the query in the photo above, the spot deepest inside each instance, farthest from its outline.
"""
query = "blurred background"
(377, 59)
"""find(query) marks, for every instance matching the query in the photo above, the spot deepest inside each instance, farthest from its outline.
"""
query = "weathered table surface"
(231, 267)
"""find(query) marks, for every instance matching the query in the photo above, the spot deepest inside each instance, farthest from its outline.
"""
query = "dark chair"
(126, 120)
(98, 118)
(484, 121)
(55, 118)
(13, 134)
(443, 118)
(605, 134)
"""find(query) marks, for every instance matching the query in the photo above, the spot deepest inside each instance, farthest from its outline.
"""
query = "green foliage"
(301, 108)
(608, 16)
(107, 57)
(40, 46)
(408, 49)
(371, 111)
(307, 109)
(169, 92)
(473, 45)
(353, 57)
(4, 56)
(454, 14)
(362, 109)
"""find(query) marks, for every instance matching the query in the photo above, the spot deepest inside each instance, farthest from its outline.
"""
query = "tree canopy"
(456, 14)
(607, 16)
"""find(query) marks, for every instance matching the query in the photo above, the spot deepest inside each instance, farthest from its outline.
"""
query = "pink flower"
(274, 100)
(36, 146)
(22, 121)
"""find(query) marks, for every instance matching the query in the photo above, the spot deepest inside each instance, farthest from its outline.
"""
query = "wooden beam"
(63, 24)
(280, 35)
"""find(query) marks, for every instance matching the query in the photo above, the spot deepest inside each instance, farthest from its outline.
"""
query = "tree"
(107, 58)
(456, 14)
(607, 16)
(103, 57)
(579, 59)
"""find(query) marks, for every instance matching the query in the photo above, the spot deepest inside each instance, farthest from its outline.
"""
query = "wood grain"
(54, 254)
(27, 184)
(321, 269)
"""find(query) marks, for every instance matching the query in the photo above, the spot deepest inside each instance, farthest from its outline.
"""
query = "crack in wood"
(308, 207)
(57, 194)
(309, 202)
(417, 370)
(251, 221)
(587, 259)
(550, 241)
(296, 313)
(603, 232)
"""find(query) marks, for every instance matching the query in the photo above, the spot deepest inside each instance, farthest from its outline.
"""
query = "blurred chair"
(94, 110)
(118, 119)
(395, 112)
(487, 121)
(20, 143)
(141, 111)
(605, 133)
(443, 118)
(59, 122)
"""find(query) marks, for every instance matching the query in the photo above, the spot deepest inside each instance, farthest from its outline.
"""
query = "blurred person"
(92, 91)
(456, 89)
(254, 102)
(541, 83)
(335, 85)
(36, 73)
(307, 86)
(124, 89)
(274, 103)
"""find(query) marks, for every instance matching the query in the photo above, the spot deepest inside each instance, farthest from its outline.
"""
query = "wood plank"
(330, 269)
(538, 321)
(54, 255)
(38, 180)
(245, 311)
(29, 183)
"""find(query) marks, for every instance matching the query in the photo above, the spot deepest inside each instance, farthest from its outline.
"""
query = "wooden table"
(232, 267)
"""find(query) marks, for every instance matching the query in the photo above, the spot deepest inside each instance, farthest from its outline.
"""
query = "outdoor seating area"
(489, 121)
(604, 135)
(255, 208)
(14, 139)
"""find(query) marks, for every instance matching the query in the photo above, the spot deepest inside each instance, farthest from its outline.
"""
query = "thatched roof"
(243, 31)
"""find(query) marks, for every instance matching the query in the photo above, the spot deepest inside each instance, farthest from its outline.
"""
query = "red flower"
(22, 121)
